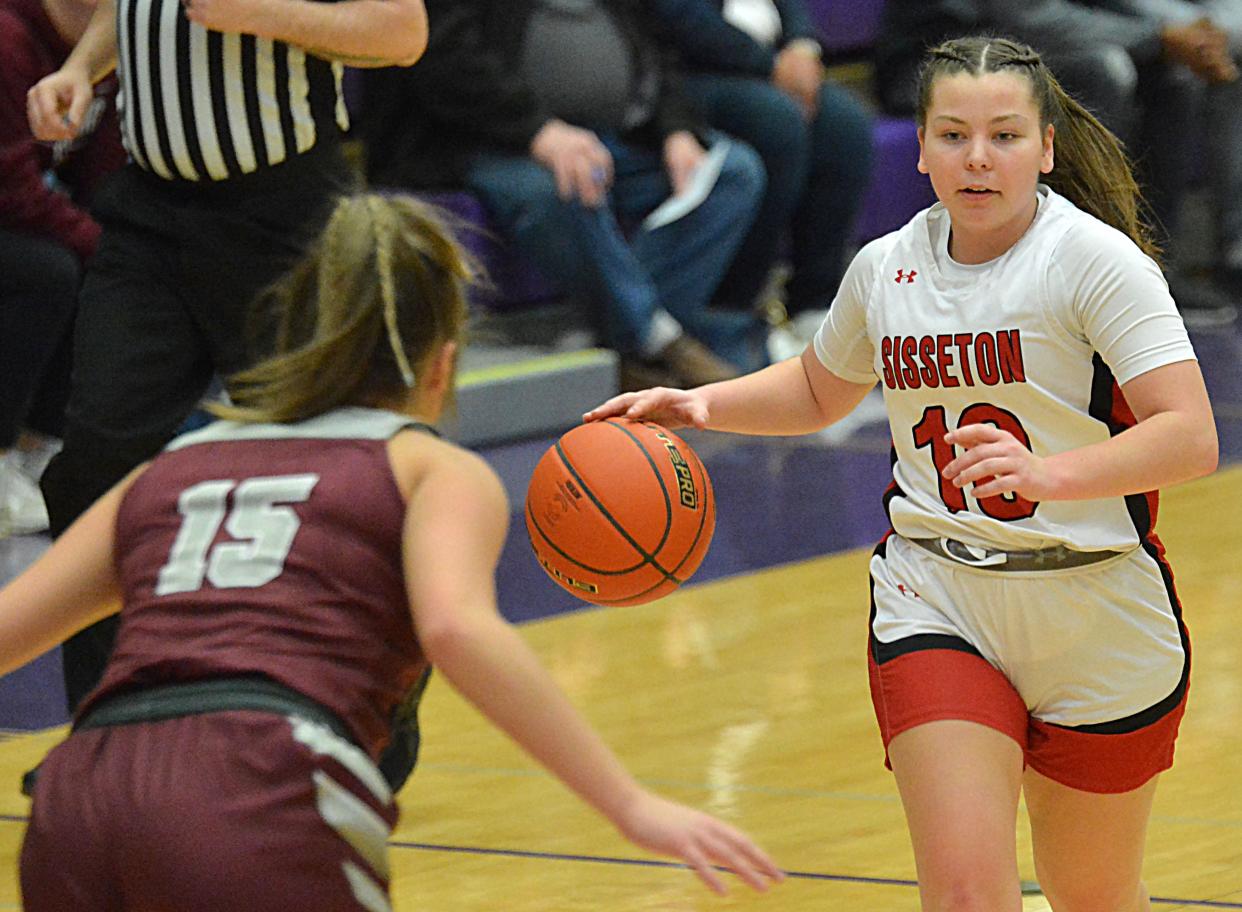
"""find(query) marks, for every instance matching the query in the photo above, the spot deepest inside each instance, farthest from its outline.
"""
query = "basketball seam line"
(647, 558)
(668, 499)
(573, 560)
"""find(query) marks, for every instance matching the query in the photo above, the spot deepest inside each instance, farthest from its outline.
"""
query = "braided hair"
(381, 289)
(1091, 167)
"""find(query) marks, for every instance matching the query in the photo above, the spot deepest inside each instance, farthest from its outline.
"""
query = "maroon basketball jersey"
(276, 550)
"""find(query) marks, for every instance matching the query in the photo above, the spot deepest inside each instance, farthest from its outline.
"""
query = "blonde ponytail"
(379, 292)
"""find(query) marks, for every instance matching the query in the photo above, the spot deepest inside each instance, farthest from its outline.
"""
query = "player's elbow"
(1206, 452)
(1196, 449)
(442, 639)
(452, 636)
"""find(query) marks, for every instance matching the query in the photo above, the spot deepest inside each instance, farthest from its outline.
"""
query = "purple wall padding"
(846, 25)
(897, 189)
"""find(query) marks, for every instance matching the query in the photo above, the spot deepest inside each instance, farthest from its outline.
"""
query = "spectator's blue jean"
(603, 258)
(817, 174)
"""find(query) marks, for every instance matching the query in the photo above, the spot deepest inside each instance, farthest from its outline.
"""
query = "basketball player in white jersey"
(284, 578)
(1040, 387)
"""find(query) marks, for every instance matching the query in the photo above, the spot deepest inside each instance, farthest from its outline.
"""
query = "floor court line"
(638, 862)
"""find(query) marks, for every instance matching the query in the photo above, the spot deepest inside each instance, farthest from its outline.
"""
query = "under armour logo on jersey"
(903, 276)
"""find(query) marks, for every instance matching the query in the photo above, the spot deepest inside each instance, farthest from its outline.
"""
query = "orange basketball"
(620, 512)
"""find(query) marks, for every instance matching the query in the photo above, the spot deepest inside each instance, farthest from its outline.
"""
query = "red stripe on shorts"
(932, 684)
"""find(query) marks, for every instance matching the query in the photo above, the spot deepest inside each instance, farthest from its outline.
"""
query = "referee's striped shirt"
(201, 105)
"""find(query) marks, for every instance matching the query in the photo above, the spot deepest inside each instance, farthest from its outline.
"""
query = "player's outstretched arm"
(455, 526)
(795, 396)
(70, 587)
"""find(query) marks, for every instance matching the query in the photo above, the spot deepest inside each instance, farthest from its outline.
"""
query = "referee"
(232, 114)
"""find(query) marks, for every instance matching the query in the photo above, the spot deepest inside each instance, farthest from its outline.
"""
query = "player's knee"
(1094, 893)
(968, 882)
(968, 889)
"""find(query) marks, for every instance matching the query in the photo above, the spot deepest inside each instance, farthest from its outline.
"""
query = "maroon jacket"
(30, 49)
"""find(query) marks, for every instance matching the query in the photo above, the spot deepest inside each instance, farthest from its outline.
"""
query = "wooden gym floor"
(748, 696)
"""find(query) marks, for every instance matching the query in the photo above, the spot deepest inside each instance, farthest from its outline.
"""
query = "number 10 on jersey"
(930, 432)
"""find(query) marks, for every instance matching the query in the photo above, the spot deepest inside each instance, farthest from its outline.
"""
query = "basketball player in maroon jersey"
(1025, 634)
(284, 576)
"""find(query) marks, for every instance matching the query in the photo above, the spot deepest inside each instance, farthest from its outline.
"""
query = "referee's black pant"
(163, 310)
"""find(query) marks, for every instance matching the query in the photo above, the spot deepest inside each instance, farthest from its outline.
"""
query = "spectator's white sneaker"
(34, 460)
(788, 339)
(22, 511)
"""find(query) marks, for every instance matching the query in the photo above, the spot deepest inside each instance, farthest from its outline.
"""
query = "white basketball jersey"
(1035, 341)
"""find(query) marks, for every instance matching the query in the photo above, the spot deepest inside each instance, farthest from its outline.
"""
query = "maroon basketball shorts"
(1085, 668)
(235, 810)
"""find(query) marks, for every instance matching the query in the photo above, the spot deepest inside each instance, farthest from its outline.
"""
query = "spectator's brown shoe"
(641, 374)
(693, 363)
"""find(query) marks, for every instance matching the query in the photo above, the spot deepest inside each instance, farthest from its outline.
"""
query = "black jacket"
(422, 124)
(710, 44)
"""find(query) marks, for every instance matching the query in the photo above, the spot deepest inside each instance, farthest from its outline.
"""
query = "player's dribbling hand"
(698, 839)
(56, 104)
(996, 462)
(672, 408)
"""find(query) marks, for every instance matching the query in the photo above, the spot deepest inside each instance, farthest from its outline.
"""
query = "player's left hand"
(996, 462)
(242, 16)
(702, 841)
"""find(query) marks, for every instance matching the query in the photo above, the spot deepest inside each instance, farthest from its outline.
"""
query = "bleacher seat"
(514, 282)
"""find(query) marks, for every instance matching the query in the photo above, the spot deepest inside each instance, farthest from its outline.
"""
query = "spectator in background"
(1223, 156)
(565, 120)
(1142, 66)
(754, 67)
(46, 237)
